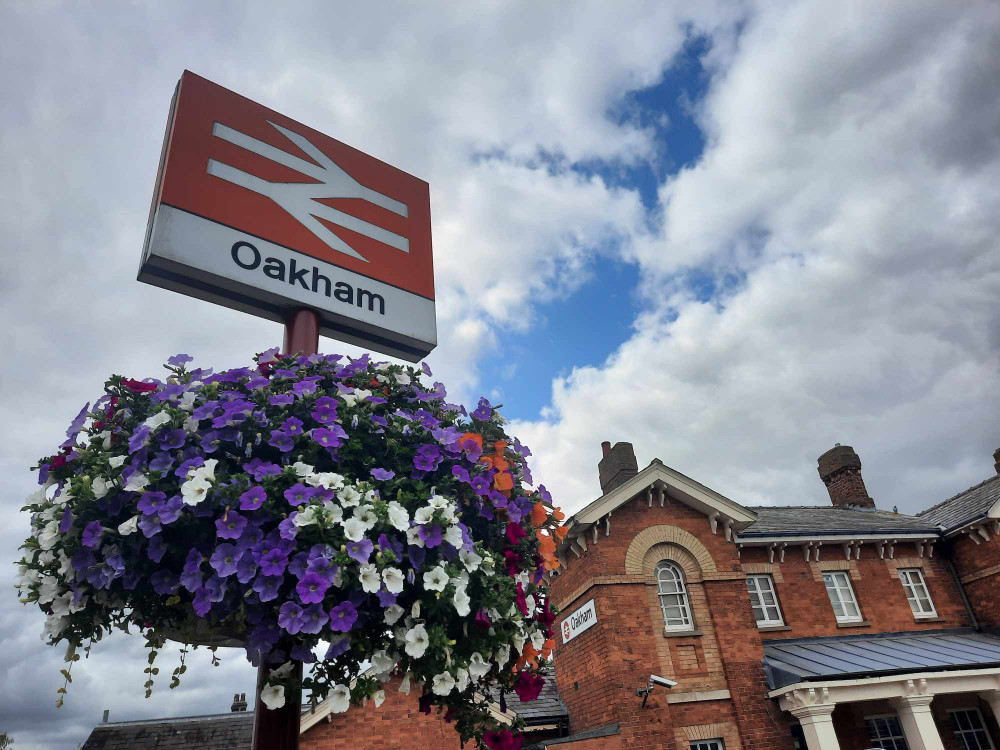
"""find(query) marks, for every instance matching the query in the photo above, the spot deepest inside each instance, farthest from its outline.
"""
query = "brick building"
(830, 627)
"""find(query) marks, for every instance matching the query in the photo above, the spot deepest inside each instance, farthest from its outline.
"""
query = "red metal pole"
(279, 729)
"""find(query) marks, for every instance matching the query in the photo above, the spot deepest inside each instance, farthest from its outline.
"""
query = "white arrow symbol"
(299, 199)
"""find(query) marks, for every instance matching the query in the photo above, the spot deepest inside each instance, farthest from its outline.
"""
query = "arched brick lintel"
(665, 534)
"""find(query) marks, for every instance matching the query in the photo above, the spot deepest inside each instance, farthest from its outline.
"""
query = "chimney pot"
(840, 470)
(239, 703)
(107, 711)
(617, 466)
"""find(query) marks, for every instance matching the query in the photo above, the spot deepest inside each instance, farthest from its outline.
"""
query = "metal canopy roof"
(787, 662)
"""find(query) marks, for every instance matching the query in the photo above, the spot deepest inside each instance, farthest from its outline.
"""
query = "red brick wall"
(806, 606)
(978, 565)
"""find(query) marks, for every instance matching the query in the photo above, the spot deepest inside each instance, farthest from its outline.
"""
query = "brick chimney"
(239, 703)
(617, 466)
(840, 470)
(996, 460)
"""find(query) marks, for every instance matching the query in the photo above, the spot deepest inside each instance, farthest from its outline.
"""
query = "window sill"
(773, 628)
(861, 624)
(929, 619)
(681, 633)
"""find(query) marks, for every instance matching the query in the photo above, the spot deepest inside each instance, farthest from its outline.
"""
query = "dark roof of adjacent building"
(966, 506)
(547, 706)
(787, 662)
(232, 731)
(791, 520)
(605, 731)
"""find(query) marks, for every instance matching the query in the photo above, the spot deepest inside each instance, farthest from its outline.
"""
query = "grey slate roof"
(966, 506)
(548, 704)
(606, 731)
(777, 520)
(787, 662)
(232, 731)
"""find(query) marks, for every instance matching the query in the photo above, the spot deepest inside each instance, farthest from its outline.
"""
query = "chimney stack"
(996, 460)
(239, 703)
(617, 466)
(840, 470)
(107, 712)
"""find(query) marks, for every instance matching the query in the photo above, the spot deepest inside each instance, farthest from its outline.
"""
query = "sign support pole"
(279, 729)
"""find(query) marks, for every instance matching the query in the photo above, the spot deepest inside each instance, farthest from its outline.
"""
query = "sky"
(730, 233)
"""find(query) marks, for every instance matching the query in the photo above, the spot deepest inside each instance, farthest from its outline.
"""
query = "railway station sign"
(257, 212)
(578, 621)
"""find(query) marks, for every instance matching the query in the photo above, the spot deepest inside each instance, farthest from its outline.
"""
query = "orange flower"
(538, 514)
(561, 532)
(503, 481)
(558, 514)
(548, 647)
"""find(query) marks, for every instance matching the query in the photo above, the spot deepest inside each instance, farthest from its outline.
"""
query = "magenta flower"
(528, 686)
(343, 617)
(312, 588)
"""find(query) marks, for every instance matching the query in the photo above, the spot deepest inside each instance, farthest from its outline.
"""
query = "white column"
(918, 722)
(993, 698)
(817, 726)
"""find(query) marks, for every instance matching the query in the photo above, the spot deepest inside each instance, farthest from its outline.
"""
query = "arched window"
(673, 596)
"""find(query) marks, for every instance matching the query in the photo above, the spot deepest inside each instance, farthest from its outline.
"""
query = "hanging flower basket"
(307, 504)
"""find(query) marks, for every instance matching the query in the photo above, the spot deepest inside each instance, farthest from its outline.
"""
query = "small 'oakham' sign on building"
(257, 212)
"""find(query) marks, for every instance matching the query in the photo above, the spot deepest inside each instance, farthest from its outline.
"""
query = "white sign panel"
(582, 619)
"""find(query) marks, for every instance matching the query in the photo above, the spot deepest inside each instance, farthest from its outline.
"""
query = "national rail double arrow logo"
(300, 199)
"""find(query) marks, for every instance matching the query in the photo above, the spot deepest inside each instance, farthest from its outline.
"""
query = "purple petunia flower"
(202, 601)
(192, 563)
(192, 581)
(231, 527)
(312, 588)
(481, 485)
(290, 617)
(179, 359)
(164, 582)
(247, 569)
(151, 502)
(225, 559)
(282, 441)
(267, 586)
(385, 597)
(274, 562)
(157, 548)
(343, 617)
(217, 586)
(260, 469)
(338, 646)
(192, 463)
(91, 534)
(360, 551)
(325, 410)
(483, 411)
(66, 522)
(313, 619)
(383, 474)
(473, 450)
(170, 511)
(430, 534)
(138, 438)
(161, 462)
(292, 426)
(416, 555)
(284, 399)
(329, 437)
(305, 387)
(460, 474)
(298, 494)
(253, 498)
(150, 525)
(171, 439)
(301, 652)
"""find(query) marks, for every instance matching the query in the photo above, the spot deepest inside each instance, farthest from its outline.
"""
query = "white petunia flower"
(438, 502)
(443, 683)
(360, 394)
(392, 614)
(354, 529)
(285, 670)
(423, 515)
(306, 517)
(402, 378)
(415, 610)
(461, 601)
(519, 639)
(49, 535)
(366, 514)
(61, 604)
(49, 590)
(435, 579)
(478, 666)
(470, 560)
(370, 580)
(334, 511)
(502, 655)
(461, 679)
(394, 580)
(100, 487)
(538, 640)
(328, 480)
(453, 536)
(129, 526)
(105, 439)
(208, 470)
(349, 496)
(416, 641)
(379, 698)
(66, 563)
(303, 470)
(529, 604)
(413, 537)
(54, 626)
(137, 482)
(382, 662)
(191, 424)
(404, 685)
(398, 516)
(187, 401)
(157, 420)
(339, 699)
(273, 696)
(193, 491)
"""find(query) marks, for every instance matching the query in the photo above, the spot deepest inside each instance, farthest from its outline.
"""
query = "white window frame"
(715, 744)
(761, 585)
(914, 583)
(898, 740)
(981, 730)
(844, 591)
(670, 583)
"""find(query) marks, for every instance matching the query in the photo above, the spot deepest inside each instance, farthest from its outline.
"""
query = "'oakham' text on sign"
(576, 622)
(257, 212)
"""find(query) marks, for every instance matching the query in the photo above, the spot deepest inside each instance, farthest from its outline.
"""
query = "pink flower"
(502, 740)
(528, 686)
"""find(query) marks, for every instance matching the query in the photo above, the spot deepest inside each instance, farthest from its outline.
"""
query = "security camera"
(655, 679)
